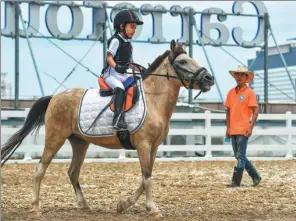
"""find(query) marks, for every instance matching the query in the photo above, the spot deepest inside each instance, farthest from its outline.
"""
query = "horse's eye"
(183, 62)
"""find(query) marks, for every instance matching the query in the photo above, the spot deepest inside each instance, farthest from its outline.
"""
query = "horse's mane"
(155, 64)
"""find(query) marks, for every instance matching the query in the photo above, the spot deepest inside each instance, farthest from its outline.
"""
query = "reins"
(191, 81)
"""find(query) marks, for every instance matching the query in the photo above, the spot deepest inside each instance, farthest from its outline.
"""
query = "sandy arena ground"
(182, 190)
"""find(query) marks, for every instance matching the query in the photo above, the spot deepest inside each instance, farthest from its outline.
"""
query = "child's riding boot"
(118, 121)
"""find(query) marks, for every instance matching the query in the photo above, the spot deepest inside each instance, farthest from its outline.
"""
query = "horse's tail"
(34, 121)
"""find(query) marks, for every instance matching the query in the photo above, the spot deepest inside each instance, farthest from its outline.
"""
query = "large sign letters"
(156, 13)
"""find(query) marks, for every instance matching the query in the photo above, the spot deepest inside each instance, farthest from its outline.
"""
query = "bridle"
(192, 80)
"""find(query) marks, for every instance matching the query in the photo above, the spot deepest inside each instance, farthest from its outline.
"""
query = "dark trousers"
(239, 145)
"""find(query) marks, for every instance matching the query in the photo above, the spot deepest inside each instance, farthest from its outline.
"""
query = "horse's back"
(63, 107)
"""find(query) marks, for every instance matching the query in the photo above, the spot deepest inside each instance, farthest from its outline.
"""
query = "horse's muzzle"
(205, 81)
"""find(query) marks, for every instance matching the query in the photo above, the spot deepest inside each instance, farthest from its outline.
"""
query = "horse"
(59, 113)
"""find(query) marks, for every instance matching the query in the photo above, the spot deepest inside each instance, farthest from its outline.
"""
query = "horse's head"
(191, 74)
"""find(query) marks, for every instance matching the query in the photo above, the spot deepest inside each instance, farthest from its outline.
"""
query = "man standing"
(241, 105)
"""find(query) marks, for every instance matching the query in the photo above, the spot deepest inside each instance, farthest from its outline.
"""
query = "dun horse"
(162, 83)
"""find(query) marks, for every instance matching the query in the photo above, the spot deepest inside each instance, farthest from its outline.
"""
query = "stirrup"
(115, 126)
(119, 128)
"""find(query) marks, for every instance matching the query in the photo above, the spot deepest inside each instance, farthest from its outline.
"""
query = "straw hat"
(243, 69)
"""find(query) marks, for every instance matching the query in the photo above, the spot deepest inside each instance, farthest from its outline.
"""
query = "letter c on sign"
(237, 32)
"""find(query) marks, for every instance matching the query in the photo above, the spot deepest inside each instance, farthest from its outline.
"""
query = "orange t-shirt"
(240, 104)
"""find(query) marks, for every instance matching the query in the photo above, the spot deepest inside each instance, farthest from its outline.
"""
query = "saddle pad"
(92, 104)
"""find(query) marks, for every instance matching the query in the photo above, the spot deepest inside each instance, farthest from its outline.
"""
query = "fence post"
(208, 135)
(27, 110)
(29, 144)
(289, 139)
(29, 141)
(121, 154)
(28, 155)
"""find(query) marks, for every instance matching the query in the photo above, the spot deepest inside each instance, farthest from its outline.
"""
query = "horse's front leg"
(147, 180)
(146, 157)
(124, 204)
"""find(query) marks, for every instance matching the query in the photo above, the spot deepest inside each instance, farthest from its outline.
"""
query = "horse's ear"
(173, 45)
(184, 46)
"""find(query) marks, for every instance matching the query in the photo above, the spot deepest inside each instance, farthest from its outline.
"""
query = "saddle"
(132, 96)
(131, 91)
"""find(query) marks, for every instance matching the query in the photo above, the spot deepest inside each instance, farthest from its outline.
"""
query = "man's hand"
(254, 118)
(227, 134)
(249, 132)
(121, 68)
(227, 123)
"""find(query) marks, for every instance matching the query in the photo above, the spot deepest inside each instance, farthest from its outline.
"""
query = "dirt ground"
(182, 191)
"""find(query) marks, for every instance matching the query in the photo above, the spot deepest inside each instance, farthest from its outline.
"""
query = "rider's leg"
(119, 98)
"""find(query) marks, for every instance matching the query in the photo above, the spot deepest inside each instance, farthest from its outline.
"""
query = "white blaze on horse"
(60, 114)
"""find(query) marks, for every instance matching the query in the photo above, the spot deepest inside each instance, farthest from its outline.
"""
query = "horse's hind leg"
(79, 147)
(52, 145)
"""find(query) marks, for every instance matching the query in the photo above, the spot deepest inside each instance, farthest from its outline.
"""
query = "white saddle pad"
(92, 104)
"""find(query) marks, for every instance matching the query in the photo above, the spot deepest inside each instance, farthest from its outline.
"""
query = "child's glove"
(121, 68)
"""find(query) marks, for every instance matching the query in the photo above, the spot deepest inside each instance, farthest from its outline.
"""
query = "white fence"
(31, 147)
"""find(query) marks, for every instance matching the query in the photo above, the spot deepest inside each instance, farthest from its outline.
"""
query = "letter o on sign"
(51, 20)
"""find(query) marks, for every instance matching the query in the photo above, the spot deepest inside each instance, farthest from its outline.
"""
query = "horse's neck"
(161, 94)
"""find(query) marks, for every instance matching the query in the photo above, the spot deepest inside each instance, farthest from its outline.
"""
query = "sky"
(52, 61)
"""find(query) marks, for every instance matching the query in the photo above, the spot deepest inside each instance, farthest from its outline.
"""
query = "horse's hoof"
(86, 207)
(156, 214)
(120, 207)
(36, 212)
(83, 206)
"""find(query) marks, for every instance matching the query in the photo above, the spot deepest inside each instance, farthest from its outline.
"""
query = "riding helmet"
(124, 17)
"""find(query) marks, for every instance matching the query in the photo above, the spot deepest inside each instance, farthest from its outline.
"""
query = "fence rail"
(31, 147)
